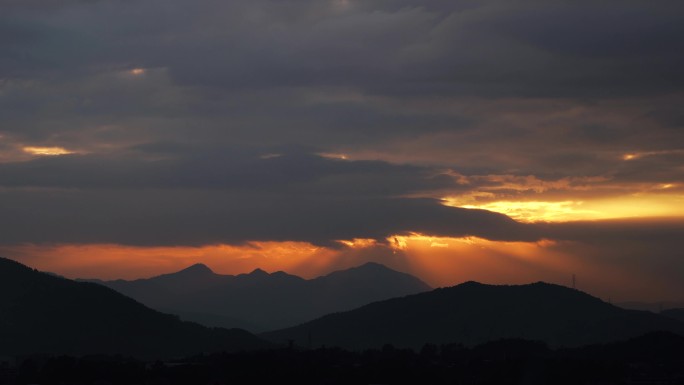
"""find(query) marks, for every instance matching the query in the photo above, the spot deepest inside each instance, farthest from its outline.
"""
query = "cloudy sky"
(499, 141)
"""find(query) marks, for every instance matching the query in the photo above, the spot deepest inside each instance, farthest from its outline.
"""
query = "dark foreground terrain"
(656, 358)
(43, 313)
(473, 313)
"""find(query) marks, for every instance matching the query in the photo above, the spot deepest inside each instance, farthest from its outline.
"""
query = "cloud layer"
(206, 122)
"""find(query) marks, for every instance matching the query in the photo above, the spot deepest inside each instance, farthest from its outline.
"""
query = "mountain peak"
(377, 277)
(258, 272)
(367, 268)
(198, 268)
(372, 266)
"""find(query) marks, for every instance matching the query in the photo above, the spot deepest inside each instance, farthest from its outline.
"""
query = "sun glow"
(358, 243)
(631, 206)
(445, 261)
(401, 242)
(47, 151)
(638, 155)
(333, 156)
(498, 262)
(137, 71)
(539, 211)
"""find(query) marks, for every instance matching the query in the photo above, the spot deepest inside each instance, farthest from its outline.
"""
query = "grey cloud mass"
(206, 121)
(152, 218)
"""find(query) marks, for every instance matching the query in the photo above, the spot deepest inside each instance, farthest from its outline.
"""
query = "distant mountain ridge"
(473, 313)
(260, 301)
(42, 313)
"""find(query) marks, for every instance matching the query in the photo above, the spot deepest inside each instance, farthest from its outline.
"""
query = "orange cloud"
(47, 151)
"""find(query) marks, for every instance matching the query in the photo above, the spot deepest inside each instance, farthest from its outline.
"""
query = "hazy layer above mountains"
(260, 301)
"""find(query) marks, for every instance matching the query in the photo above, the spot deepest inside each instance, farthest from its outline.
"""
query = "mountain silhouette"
(654, 307)
(677, 314)
(43, 313)
(260, 301)
(474, 313)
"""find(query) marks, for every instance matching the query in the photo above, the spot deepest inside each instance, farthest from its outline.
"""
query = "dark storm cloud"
(181, 197)
(491, 49)
(241, 195)
(191, 217)
(8, 5)
(174, 166)
(594, 50)
(663, 167)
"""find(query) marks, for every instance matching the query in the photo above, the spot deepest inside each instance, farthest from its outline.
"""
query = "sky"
(498, 141)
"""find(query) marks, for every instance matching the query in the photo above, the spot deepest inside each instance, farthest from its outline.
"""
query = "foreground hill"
(654, 307)
(656, 358)
(677, 314)
(473, 313)
(43, 313)
(261, 301)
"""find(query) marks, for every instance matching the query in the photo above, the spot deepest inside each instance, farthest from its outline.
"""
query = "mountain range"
(473, 313)
(44, 313)
(260, 301)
